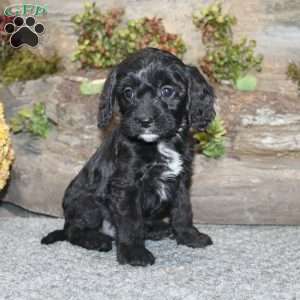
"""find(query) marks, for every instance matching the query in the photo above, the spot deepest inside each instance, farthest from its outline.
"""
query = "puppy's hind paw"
(52, 237)
(135, 256)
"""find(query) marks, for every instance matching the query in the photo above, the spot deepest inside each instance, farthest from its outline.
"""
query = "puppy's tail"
(54, 236)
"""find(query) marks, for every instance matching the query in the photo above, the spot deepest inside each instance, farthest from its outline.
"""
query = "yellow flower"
(6, 152)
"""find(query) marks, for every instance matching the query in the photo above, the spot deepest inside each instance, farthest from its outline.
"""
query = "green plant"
(6, 52)
(91, 87)
(293, 73)
(146, 32)
(231, 61)
(211, 141)
(34, 121)
(246, 83)
(95, 42)
(103, 42)
(214, 25)
(25, 65)
(225, 59)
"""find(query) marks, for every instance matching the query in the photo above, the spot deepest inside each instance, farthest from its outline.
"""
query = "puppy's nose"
(144, 121)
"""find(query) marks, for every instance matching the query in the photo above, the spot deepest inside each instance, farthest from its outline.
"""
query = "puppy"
(141, 174)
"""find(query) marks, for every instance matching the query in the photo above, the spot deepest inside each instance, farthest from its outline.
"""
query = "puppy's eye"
(167, 91)
(128, 93)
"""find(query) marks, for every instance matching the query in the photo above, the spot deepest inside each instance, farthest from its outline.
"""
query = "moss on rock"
(25, 65)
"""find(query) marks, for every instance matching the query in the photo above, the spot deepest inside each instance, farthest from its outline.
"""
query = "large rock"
(257, 183)
(260, 123)
(268, 133)
(44, 167)
(248, 191)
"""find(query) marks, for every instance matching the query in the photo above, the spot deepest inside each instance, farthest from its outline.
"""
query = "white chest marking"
(108, 229)
(148, 137)
(174, 162)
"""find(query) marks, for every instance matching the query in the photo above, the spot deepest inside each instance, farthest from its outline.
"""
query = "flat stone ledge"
(268, 133)
(248, 191)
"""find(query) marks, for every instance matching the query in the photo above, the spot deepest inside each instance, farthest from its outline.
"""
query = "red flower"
(4, 20)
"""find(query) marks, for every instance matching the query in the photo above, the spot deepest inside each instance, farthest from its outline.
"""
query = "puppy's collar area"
(151, 137)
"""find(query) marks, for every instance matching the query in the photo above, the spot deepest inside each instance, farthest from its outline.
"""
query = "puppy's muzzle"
(144, 121)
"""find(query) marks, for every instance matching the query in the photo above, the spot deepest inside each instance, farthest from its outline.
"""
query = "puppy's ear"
(107, 100)
(201, 100)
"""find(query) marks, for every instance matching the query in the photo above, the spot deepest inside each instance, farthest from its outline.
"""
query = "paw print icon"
(24, 31)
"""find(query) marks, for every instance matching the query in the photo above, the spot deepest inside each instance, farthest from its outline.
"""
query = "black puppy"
(142, 173)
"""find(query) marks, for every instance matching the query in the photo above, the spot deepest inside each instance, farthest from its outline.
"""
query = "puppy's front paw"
(191, 237)
(135, 255)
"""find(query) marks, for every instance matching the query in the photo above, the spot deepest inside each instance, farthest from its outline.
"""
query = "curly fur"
(141, 175)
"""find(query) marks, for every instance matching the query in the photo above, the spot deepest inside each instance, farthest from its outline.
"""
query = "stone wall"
(275, 24)
(258, 180)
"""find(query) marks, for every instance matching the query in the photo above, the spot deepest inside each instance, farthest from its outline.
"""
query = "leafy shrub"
(214, 25)
(34, 121)
(211, 141)
(24, 65)
(95, 42)
(103, 42)
(230, 61)
(21, 64)
(225, 60)
(293, 73)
